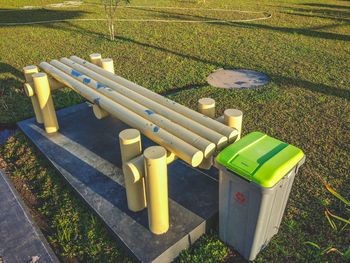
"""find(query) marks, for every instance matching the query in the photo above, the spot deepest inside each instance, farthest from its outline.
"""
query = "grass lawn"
(304, 49)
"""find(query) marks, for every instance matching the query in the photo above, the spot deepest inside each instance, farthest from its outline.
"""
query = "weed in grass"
(337, 229)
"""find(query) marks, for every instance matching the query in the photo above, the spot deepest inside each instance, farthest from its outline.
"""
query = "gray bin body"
(250, 215)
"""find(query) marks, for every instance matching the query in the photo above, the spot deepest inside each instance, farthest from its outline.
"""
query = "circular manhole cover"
(237, 79)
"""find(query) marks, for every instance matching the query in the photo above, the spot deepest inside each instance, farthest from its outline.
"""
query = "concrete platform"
(237, 79)
(86, 153)
(20, 239)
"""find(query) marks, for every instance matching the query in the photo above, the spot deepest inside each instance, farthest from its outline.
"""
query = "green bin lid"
(260, 158)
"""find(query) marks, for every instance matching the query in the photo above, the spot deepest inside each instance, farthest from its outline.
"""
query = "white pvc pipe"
(185, 151)
(200, 143)
(229, 132)
(218, 139)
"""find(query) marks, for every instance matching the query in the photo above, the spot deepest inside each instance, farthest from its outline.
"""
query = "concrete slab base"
(86, 153)
(20, 239)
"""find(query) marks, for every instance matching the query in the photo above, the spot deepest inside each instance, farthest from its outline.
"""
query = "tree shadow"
(7, 68)
(282, 81)
(173, 15)
(316, 87)
(291, 30)
(10, 86)
(35, 15)
(342, 20)
(330, 12)
(188, 1)
(327, 5)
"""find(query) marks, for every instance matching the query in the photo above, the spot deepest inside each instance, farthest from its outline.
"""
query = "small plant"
(329, 249)
(329, 217)
(110, 10)
(328, 214)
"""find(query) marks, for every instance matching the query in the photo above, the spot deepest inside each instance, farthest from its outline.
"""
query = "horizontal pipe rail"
(185, 151)
(218, 139)
(200, 143)
(229, 132)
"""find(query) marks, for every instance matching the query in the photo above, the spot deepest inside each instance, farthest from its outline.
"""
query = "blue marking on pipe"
(76, 73)
(99, 85)
(149, 112)
(97, 101)
(84, 62)
(156, 129)
(87, 80)
(110, 90)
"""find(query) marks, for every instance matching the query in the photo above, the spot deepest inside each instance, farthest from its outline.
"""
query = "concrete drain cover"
(237, 79)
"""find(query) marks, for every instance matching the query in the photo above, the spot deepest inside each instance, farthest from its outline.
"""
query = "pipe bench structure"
(181, 132)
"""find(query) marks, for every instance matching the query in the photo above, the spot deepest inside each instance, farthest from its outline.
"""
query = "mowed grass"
(304, 49)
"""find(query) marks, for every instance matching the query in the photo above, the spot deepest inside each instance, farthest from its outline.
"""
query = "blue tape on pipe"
(86, 80)
(76, 73)
(99, 85)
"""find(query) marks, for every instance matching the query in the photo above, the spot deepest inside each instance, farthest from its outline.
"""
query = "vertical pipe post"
(233, 119)
(107, 64)
(206, 106)
(157, 189)
(130, 146)
(28, 72)
(99, 113)
(96, 59)
(43, 93)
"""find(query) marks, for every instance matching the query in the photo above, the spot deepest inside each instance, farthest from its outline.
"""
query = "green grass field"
(304, 49)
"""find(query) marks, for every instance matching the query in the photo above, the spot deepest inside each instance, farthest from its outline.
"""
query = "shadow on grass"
(330, 12)
(327, 5)
(291, 30)
(6, 68)
(9, 86)
(343, 20)
(316, 87)
(34, 15)
(279, 80)
(171, 15)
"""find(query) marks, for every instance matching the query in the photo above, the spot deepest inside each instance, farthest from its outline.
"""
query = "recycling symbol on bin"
(240, 198)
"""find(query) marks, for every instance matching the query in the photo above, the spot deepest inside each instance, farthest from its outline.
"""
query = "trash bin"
(256, 175)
